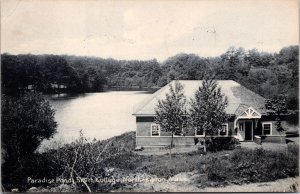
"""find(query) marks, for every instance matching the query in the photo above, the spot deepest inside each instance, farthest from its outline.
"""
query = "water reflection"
(99, 115)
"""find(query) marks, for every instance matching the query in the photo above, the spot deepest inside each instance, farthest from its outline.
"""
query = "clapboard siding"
(164, 141)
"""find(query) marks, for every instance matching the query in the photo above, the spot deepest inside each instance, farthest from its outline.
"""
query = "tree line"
(268, 74)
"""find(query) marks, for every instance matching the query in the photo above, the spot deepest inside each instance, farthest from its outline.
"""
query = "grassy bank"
(114, 158)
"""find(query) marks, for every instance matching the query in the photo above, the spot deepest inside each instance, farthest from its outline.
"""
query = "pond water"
(98, 115)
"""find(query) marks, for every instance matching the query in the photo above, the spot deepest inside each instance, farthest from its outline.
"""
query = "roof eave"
(143, 115)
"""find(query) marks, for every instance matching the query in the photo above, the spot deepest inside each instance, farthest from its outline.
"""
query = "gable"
(249, 113)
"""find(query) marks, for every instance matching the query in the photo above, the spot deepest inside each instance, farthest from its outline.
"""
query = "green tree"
(26, 121)
(207, 112)
(277, 107)
(234, 64)
(184, 67)
(171, 113)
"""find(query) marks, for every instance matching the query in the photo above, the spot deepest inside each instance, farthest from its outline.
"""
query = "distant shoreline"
(106, 89)
(124, 88)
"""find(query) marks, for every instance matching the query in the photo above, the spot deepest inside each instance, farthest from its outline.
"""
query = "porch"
(246, 123)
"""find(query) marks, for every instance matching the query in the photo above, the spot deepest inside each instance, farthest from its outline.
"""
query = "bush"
(80, 158)
(257, 165)
(217, 169)
(83, 159)
(221, 143)
(293, 149)
(27, 119)
(165, 166)
(124, 161)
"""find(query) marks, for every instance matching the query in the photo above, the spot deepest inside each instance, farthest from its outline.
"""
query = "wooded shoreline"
(268, 74)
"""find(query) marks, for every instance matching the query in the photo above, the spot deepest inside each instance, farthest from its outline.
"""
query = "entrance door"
(248, 130)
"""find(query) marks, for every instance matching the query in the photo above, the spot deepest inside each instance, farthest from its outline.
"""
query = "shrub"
(218, 168)
(221, 143)
(293, 148)
(164, 166)
(124, 161)
(27, 119)
(83, 159)
(80, 158)
(257, 165)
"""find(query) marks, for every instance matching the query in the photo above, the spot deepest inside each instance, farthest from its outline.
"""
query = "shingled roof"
(239, 97)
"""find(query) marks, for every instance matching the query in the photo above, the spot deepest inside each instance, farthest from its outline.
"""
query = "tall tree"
(277, 107)
(234, 64)
(26, 121)
(171, 113)
(207, 112)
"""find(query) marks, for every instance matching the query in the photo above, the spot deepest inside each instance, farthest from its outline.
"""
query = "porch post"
(235, 122)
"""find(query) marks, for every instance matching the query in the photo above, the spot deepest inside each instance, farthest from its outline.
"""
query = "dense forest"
(268, 74)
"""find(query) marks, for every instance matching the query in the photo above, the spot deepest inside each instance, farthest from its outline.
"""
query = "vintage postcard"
(149, 96)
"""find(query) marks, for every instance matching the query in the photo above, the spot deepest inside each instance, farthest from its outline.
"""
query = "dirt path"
(188, 182)
(281, 185)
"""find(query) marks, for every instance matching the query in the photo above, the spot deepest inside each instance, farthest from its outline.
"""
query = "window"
(267, 128)
(224, 130)
(155, 130)
(199, 132)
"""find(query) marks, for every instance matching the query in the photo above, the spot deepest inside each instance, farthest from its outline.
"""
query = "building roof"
(239, 97)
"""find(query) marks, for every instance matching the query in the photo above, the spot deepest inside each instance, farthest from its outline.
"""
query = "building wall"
(143, 128)
(165, 141)
(144, 138)
(272, 120)
(231, 130)
(274, 131)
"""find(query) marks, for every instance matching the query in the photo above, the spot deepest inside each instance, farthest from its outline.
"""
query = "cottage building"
(246, 111)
